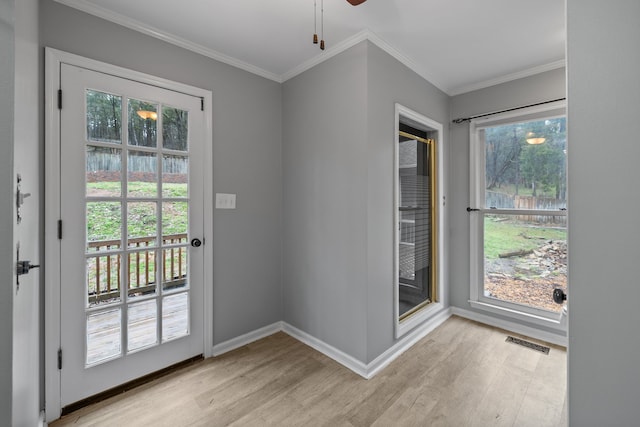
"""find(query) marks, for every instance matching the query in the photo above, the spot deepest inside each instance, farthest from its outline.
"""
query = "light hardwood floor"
(461, 374)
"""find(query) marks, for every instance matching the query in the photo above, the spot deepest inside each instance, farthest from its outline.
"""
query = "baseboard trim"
(511, 326)
(406, 342)
(366, 371)
(245, 339)
(328, 350)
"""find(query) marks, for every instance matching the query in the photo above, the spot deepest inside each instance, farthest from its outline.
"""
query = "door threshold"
(128, 386)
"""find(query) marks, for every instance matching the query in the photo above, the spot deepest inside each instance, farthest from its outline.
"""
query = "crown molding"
(361, 36)
(366, 34)
(149, 30)
(507, 78)
(327, 54)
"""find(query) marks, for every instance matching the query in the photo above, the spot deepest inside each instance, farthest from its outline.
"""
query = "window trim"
(477, 299)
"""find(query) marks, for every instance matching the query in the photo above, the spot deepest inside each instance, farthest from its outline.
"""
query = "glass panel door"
(131, 181)
(416, 163)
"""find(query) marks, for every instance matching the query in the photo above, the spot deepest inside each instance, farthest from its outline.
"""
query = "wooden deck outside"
(145, 327)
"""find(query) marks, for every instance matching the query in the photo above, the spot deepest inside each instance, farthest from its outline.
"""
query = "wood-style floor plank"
(461, 374)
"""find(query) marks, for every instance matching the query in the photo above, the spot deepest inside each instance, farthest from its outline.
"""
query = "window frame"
(477, 184)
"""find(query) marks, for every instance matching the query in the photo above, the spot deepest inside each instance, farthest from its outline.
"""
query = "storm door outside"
(131, 204)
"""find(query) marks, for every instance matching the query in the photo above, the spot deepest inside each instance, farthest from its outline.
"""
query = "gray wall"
(538, 88)
(388, 82)
(603, 65)
(6, 209)
(338, 195)
(247, 158)
(325, 201)
(27, 313)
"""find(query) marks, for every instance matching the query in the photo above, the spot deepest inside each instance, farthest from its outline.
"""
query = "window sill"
(552, 322)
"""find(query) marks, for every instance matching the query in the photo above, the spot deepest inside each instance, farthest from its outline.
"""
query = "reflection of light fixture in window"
(534, 138)
(148, 114)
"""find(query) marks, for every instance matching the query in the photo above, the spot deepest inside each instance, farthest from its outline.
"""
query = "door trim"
(53, 60)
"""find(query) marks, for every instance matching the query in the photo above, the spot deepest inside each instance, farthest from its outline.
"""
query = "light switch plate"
(225, 201)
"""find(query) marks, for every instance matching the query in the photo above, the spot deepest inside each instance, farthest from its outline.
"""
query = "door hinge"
(60, 229)
(59, 99)
(201, 104)
(59, 359)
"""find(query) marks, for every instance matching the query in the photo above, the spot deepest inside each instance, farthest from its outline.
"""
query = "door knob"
(196, 243)
(559, 296)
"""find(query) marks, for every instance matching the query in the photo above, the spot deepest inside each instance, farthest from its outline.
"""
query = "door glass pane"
(175, 176)
(104, 117)
(414, 227)
(174, 128)
(175, 268)
(142, 175)
(142, 329)
(142, 224)
(525, 165)
(143, 123)
(103, 279)
(175, 316)
(525, 258)
(103, 171)
(103, 335)
(104, 225)
(175, 219)
(142, 273)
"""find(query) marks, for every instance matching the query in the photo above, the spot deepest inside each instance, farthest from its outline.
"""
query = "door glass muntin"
(139, 222)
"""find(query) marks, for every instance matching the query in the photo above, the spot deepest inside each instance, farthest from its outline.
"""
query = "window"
(519, 230)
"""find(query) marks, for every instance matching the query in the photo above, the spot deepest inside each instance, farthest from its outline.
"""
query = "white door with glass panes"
(131, 285)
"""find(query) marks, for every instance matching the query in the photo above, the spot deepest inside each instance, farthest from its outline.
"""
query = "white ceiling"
(458, 45)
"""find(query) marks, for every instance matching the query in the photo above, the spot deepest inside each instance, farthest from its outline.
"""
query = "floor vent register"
(531, 345)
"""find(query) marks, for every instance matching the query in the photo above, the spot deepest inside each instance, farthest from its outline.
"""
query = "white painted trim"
(245, 339)
(208, 204)
(511, 326)
(477, 159)
(361, 36)
(366, 371)
(365, 34)
(53, 60)
(404, 344)
(536, 316)
(405, 60)
(51, 242)
(328, 350)
(327, 54)
(531, 114)
(507, 78)
(371, 369)
(149, 30)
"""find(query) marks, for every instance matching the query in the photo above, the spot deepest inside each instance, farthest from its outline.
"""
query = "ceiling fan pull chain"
(315, 22)
(321, 24)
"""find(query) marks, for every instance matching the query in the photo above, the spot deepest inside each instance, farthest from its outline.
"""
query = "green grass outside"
(104, 218)
(501, 236)
(104, 222)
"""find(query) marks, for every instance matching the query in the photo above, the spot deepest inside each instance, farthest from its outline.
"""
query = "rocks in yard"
(529, 279)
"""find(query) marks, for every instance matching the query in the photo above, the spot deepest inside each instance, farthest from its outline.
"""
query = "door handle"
(559, 296)
(196, 243)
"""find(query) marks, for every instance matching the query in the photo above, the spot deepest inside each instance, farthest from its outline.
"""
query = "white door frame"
(53, 60)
